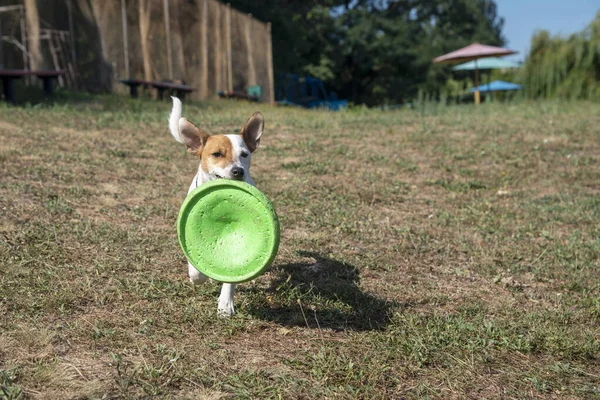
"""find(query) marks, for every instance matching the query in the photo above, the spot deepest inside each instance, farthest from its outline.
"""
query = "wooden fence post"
(1, 52)
(229, 60)
(250, 52)
(125, 38)
(204, 46)
(72, 42)
(144, 25)
(218, 50)
(33, 34)
(168, 33)
(270, 65)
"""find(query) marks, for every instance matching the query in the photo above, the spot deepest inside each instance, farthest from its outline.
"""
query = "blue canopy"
(496, 86)
(487, 63)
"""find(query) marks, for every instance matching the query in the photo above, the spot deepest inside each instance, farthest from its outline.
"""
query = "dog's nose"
(237, 172)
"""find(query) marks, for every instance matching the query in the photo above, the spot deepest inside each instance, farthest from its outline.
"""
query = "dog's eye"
(217, 154)
(244, 154)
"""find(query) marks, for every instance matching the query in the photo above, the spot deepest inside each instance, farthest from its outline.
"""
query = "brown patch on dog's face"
(217, 154)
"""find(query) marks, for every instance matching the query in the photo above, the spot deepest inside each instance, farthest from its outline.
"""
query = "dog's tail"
(174, 119)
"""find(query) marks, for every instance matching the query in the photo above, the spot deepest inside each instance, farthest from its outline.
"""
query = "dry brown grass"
(450, 254)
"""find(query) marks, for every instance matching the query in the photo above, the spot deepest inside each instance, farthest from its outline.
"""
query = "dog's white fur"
(241, 159)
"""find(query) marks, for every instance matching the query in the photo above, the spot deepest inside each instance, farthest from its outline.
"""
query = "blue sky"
(523, 17)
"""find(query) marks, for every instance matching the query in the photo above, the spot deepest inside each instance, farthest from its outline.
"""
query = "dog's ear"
(193, 137)
(252, 131)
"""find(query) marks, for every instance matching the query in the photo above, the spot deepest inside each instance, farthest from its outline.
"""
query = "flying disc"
(228, 230)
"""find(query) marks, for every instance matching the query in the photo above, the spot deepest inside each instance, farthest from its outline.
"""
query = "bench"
(238, 95)
(179, 89)
(9, 75)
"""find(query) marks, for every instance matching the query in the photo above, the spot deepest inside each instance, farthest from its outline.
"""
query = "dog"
(221, 157)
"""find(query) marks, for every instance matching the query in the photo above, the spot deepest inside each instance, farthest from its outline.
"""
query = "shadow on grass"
(321, 294)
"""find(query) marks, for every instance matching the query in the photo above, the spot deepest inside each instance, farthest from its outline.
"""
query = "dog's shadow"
(319, 294)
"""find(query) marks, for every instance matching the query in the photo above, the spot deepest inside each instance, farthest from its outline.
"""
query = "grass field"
(450, 253)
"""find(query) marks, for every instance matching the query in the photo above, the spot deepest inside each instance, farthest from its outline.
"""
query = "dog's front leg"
(225, 308)
(196, 277)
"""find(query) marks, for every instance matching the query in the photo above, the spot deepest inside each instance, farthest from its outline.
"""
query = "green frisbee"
(228, 230)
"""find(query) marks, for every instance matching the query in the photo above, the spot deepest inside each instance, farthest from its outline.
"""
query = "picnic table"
(179, 89)
(9, 75)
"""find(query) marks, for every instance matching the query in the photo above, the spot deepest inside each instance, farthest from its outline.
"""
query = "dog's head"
(223, 156)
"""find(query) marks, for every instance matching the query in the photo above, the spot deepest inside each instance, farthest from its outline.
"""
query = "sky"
(523, 17)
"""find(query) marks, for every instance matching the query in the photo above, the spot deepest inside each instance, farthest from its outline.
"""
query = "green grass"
(439, 253)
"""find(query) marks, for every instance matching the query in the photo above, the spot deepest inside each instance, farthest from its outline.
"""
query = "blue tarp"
(497, 86)
(306, 92)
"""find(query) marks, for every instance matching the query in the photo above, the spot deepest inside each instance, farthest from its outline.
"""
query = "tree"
(374, 51)
(569, 68)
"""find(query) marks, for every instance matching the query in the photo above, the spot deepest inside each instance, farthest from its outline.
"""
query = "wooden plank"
(62, 59)
(54, 54)
(70, 75)
(48, 30)
(11, 8)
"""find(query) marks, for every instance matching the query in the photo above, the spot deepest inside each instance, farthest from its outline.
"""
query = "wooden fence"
(204, 43)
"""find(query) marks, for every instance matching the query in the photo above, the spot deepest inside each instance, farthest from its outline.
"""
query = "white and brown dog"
(221, 157)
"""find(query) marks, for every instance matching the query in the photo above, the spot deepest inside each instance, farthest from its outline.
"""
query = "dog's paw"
(225, 310)
(198, 280)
